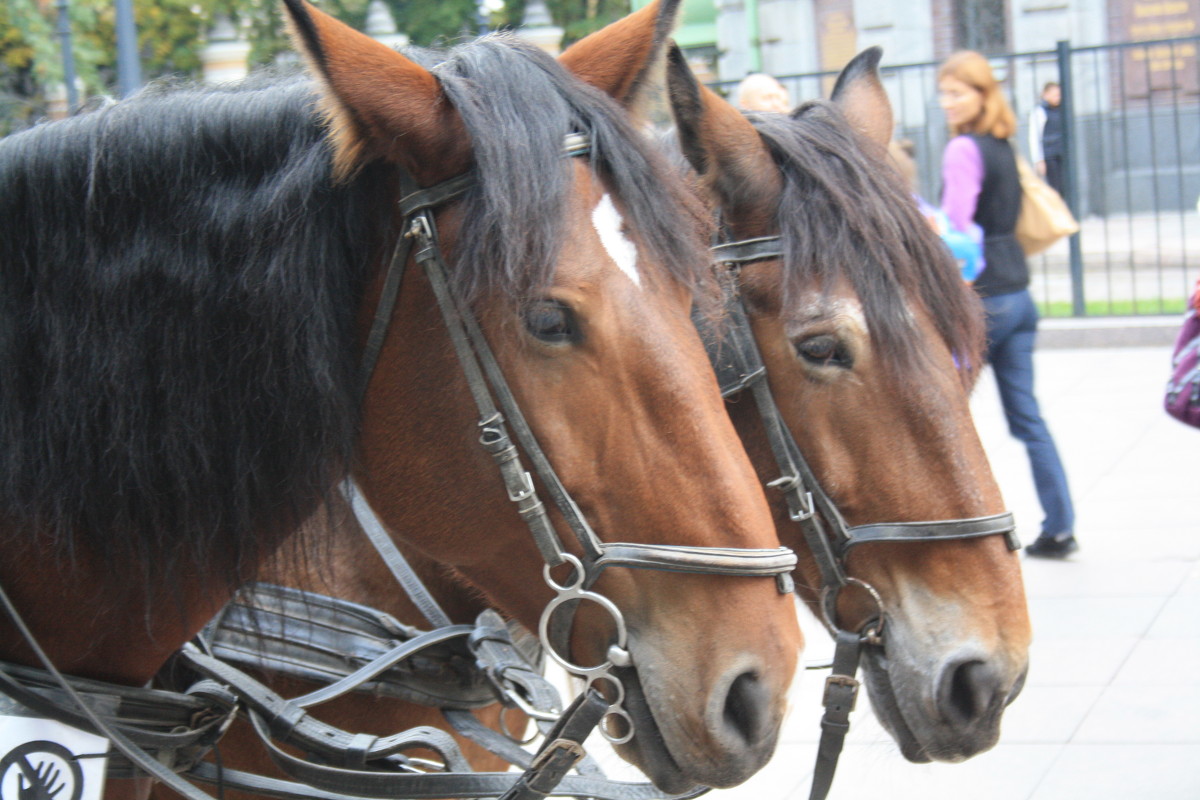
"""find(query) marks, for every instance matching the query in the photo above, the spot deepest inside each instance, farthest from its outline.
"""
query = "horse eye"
(824, 351)
(552, 322)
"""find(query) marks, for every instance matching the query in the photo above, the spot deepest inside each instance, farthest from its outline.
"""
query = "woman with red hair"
(980, 187)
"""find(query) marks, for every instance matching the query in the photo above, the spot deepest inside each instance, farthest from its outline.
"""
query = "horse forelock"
(844, 216)
(518, 104)
(179, 281)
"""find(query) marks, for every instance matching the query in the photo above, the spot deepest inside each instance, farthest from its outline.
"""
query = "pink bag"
(1182, 399)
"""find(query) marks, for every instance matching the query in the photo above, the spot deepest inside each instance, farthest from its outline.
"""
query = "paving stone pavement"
(1111, 710)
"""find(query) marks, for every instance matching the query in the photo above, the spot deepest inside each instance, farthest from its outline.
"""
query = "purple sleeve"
(962, 179)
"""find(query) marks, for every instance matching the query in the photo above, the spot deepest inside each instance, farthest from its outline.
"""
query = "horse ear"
(625, 59)
(379, 104)
(720, 143)
(861, 96)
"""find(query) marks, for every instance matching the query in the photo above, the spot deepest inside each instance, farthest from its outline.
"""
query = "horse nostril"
(746, 708)
(969, 693)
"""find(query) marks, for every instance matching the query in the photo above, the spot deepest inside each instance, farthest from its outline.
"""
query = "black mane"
(843, 215)
(178, 291)
(180, 280)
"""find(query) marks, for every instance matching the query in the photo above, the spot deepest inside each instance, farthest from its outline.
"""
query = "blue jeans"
(1011, 331)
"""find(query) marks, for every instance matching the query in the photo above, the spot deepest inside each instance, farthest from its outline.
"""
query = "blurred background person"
(1046, 136)
(980, 185)
(761, 92)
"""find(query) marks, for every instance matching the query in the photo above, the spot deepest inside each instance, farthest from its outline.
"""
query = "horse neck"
(353, 570)
(93, 626)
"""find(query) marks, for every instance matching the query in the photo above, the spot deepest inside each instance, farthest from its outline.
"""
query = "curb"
(1076, 332)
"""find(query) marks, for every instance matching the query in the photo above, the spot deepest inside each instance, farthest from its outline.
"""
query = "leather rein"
(739, 367)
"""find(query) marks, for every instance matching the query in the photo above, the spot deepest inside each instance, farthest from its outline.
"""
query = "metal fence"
(1132, 115)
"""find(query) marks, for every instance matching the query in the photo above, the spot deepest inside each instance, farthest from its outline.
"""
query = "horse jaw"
(668, 749)
(941, 689)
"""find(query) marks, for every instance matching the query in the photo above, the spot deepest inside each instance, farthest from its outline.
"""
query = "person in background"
(1046, 136)
(980, 185)
(760, 92)
(967, 248)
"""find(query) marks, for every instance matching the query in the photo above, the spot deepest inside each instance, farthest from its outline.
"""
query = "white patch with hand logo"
(607, 222)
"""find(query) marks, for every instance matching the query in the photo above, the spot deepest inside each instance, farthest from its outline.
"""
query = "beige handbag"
(1044, 217)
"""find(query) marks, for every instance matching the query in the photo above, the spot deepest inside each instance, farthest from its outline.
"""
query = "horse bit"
(739, 366)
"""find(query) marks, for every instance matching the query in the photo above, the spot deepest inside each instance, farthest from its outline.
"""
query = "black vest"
(1052, 132)
(996, 212)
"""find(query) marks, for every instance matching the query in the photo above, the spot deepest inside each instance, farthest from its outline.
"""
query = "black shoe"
(1059, 546)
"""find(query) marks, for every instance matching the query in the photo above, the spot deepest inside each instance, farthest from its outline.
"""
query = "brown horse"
(184, 371)
(870, 341)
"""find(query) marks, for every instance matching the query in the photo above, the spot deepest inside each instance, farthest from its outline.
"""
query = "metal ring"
(874, 624)
(605, 726)
(612, 681)
(570, 593)
(575, 563)
(513, 737)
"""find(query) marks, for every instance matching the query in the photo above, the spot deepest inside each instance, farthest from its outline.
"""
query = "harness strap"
(428, 786)
(277, 718)
(515, 672)
(743, 561)
(469, 341)
(807, 503)
(185, 726)
(138, 756)
(382, 664)
(841, 693)
(401, 570)
(333, 641)
(562, 749)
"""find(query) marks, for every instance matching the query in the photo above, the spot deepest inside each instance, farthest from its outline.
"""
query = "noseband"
(498, 410)
(739, 367)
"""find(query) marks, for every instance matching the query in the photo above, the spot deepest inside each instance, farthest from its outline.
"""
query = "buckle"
(572, 749)
(841, 691)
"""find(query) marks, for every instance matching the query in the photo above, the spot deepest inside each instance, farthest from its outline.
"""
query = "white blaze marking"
(607, 222)
(846, 308)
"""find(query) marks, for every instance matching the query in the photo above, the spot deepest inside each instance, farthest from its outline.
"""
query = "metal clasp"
(419, 228)
(841, 691)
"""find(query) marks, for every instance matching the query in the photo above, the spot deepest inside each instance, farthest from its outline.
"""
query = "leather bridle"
(498, 410)
(739, 367)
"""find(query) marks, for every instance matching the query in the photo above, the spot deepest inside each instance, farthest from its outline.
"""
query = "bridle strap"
(746, 251)
(807, 503)
(841, 693)
(396, 563)
(413, 200)
(1001, 524)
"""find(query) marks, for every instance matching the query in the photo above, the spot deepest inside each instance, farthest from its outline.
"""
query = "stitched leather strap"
(841, 693)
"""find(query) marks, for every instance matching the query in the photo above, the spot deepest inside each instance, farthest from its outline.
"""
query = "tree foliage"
(172, 36)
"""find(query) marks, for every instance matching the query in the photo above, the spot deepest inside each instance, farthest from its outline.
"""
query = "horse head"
(870, 341)
(581, 272)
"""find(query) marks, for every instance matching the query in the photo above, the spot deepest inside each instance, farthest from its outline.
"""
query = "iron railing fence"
(1133, 164)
